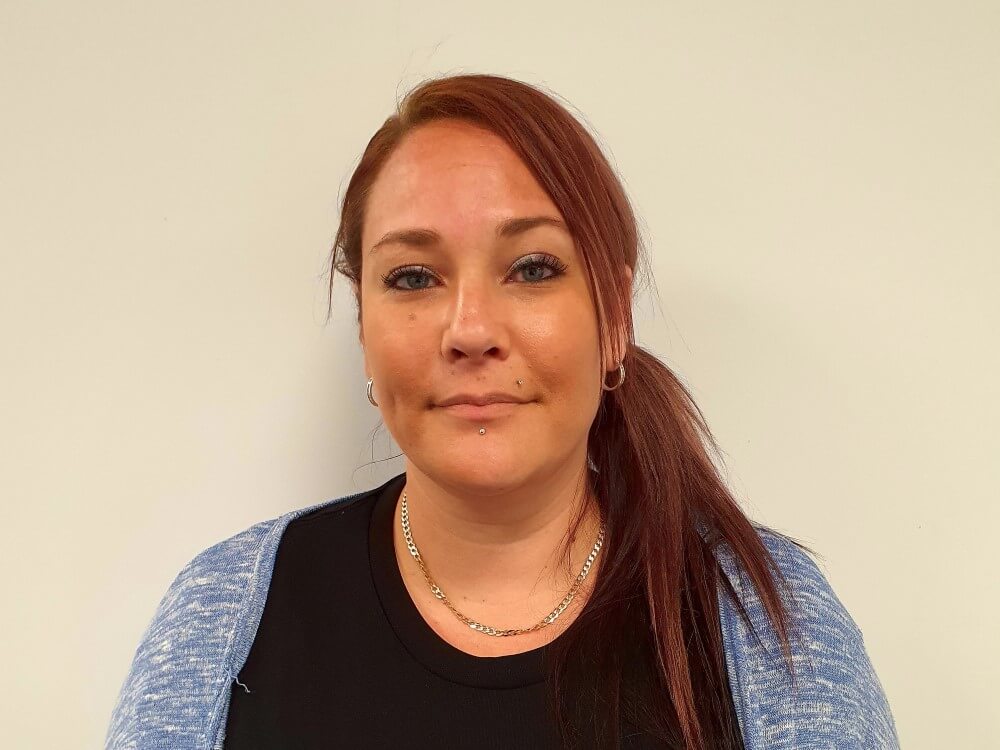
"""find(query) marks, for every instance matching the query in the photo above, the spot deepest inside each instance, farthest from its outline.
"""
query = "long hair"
(666, 509)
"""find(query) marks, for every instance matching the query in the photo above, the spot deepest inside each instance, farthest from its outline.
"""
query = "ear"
(616, 352)
(361, 329)
(364, 364)
(364, 353)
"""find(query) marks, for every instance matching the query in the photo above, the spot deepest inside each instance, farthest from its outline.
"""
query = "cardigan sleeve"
(837, 700)
(173, 695)
(873, 725)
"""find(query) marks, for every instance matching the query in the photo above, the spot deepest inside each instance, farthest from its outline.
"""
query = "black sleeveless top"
(344, 659)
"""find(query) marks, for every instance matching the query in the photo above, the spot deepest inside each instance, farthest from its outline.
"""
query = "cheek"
(398, 356)
(566, 366)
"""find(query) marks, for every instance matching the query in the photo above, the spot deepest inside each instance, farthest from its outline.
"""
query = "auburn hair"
(665, 506)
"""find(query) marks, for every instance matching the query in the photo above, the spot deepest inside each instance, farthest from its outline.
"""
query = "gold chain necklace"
(486, 629)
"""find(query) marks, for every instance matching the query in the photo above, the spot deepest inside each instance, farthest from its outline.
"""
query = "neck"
(496, 550)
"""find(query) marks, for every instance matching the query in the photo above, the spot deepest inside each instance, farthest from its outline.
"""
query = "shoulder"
(819, 609)
(221, 583)
(201, 629)
(811, 599)
(834, 694)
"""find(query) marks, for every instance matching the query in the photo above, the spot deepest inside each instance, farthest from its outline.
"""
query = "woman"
(560, 565)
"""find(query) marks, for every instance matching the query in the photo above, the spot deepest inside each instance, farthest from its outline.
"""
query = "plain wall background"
(819, 188)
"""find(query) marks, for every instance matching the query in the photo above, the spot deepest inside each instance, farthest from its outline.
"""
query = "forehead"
(454, 177)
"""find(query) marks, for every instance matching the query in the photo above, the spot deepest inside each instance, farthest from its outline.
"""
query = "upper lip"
(481, 399)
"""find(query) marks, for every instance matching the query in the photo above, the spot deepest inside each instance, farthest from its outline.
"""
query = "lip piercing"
(482, 430)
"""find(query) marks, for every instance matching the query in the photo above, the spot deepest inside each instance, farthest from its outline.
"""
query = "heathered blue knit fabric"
(838, 701)
(176, 693)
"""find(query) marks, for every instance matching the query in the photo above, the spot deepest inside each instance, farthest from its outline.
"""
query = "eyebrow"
(505, 229)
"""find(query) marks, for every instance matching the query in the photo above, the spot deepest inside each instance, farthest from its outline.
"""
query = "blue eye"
(407, 272)
(546, 261)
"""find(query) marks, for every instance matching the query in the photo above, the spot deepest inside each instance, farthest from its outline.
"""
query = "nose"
(477, 324)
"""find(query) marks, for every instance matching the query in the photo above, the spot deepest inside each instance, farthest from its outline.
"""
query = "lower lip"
(489, 411)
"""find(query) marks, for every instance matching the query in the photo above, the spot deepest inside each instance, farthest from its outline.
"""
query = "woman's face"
(449, 309)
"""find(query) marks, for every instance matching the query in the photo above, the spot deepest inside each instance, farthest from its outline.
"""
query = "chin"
(485, 472)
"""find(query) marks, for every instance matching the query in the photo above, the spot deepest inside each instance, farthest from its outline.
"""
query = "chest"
(456, 633)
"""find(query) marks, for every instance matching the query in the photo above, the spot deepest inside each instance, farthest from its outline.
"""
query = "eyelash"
(545, 260)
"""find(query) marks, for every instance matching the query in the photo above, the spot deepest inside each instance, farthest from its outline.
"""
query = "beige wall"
(819, 185)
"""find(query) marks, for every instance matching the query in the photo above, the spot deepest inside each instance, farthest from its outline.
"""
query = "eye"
(540, 261)
(529, 264)
(407, 272)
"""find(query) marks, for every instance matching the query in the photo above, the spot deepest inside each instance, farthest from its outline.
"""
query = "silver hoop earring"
(621, 378)
(370, 380)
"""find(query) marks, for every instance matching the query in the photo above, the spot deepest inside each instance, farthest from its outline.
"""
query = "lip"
(496, 410)
(480, 399)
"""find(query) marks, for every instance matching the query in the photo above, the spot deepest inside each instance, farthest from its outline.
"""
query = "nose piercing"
(520, 382)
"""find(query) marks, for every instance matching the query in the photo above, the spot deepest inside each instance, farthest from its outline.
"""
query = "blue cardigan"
(176, 694)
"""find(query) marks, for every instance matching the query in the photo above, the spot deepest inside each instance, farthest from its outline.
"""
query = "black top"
(344, 659)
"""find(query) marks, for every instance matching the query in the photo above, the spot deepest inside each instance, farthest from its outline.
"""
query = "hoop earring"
(621, 378)
(370, 380)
